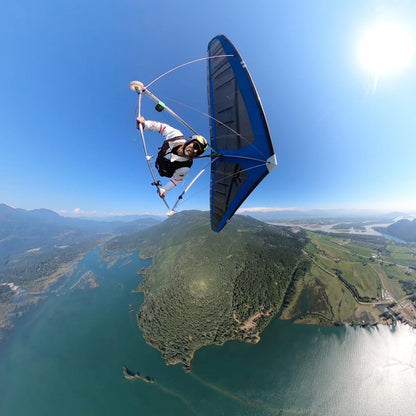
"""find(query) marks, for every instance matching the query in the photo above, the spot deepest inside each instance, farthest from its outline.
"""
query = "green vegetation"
(355, 279)
(402, 254)
(27, 268)
(403, 229)
(38, 247)
(345, 226)
(206, 288)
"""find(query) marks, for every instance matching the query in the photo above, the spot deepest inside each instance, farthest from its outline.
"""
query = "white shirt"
(169, 133)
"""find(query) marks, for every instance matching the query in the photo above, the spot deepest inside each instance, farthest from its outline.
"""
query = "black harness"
(164, 166)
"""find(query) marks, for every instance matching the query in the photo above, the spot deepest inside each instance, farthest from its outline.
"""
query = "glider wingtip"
(271, 162)
(218, 227)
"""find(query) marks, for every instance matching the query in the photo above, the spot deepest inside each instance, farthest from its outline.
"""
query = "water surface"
(66, 357)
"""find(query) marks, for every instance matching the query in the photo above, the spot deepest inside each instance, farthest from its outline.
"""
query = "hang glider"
(239, 132)
(242, 152)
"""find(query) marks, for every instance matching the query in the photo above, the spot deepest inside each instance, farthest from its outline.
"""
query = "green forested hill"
(206, 288)
(403, 229)
(38, 247)
(34, 244)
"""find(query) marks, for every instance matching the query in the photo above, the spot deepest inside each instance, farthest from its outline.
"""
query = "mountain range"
(34, 243)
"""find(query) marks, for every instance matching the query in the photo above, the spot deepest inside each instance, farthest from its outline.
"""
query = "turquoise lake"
(66, 357)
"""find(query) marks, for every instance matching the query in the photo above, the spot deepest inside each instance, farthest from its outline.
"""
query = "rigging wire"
(185, 64)
(214, 155)
(196, 110)
(230, 175)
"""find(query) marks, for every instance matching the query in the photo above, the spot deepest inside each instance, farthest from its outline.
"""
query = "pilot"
(176, 155)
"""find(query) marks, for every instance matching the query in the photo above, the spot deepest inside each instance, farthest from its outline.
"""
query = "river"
(66, 357)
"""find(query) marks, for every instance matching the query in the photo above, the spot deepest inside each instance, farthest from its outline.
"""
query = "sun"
(386, 48)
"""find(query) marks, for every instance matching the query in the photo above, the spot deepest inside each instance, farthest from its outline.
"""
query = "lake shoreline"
(26, 298)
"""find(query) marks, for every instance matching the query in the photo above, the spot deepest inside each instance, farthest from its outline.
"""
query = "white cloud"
(264, 209)
(79, 212)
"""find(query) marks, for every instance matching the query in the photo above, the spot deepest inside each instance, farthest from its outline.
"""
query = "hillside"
(38, 247)
(206, 288)
(404, 230)
(35, 244)
(22, 230)
(357, 280)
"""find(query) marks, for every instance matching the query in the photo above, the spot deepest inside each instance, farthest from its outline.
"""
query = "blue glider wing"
(243, 152)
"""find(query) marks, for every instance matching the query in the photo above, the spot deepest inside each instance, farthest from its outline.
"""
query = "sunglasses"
(197, 147)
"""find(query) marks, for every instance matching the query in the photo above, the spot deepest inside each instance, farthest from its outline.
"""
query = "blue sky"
(344, 137)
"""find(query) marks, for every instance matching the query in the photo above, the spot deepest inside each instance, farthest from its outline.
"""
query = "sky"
(343, 125)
